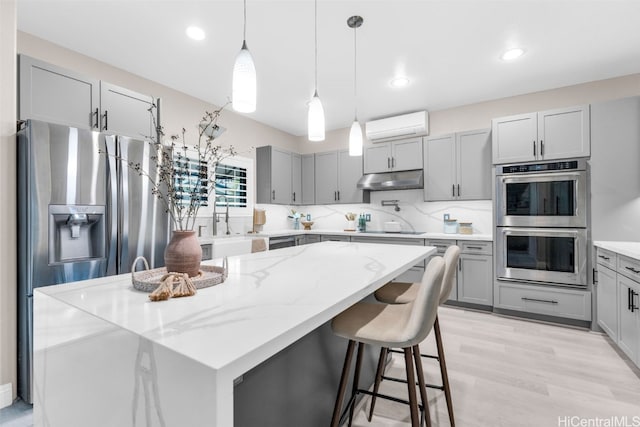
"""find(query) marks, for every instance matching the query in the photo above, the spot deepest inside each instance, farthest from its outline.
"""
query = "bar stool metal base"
(411, 356)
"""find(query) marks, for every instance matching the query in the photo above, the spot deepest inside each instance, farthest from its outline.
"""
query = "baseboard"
(6, 395)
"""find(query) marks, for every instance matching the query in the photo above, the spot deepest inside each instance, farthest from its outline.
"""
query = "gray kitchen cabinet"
(458, 166)
(629, 317)
(607, 293)
(56, 95)
(308, 179)
(273, 175)
(336, 178)
(547, 135)
(296, 179)
(124, 111)
(475, 273)
(393, 156)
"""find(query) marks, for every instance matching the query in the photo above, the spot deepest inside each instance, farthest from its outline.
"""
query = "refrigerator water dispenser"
(76, 233)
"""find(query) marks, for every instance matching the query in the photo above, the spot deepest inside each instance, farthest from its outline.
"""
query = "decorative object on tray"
(307, 224)
(183, 253)
(180, 178)
(164, 285)
(351, 221)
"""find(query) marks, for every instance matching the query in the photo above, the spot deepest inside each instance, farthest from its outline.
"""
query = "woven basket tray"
(148, 280)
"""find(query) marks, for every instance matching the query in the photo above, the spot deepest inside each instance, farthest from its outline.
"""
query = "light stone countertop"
(289, 232)
(630, 249)
(269, 301)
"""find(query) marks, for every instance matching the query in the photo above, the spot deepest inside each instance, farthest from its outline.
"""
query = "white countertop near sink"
(428, 235)
(630, 249)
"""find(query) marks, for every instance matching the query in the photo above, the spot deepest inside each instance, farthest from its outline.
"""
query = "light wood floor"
(511, 372)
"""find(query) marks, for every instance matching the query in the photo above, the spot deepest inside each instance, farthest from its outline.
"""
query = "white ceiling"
(449, 49)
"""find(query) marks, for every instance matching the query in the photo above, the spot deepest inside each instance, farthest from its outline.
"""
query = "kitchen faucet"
(215, 215)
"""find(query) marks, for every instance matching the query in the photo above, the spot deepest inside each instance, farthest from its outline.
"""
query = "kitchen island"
(105, 355)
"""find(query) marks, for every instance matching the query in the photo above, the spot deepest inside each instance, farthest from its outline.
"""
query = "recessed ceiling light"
(399, 82)
(512, 54)
(195, 33)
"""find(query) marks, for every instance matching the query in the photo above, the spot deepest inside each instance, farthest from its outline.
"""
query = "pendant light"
(315, 118)
(243, 94)
(355, 135)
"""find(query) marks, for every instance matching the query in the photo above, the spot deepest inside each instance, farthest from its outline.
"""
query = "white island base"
(107, 356)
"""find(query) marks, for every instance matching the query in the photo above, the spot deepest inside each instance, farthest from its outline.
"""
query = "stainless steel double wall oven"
(541, 223)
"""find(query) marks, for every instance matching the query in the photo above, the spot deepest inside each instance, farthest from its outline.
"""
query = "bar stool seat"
(401, 293)
(390, 325)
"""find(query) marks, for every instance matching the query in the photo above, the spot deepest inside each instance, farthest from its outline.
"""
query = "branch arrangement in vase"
(172, 178)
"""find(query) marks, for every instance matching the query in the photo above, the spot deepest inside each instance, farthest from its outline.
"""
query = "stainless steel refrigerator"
(82, 213)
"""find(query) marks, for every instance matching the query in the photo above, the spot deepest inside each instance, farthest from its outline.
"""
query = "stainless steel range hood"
(403, 180)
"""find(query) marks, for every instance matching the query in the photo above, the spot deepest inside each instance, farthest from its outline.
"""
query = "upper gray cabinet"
(458, 166)
(56, 95)
(308, 179)
(124, 111)
(547, 135)
(393, 156)
(336, 178)
(273, 175)
(296, 179)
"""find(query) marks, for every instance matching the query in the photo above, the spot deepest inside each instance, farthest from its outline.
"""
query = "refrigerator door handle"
(123, 203)
(112, 205)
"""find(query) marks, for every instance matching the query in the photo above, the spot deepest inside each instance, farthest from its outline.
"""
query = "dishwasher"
(281, 242)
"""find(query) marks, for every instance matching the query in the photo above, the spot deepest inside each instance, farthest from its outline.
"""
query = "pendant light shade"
(316, 119)
(244, 90)
(355, 139)
(355, 135)
(244, 86)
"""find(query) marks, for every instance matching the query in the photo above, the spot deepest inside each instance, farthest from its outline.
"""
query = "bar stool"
(390, 325)
(403, 293)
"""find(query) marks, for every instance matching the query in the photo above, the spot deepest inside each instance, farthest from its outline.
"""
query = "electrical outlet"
(367, 217)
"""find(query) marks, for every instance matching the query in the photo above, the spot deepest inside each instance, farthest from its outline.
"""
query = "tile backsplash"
(414, 215)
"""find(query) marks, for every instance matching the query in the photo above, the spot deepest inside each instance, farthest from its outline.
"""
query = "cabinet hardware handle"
(393, 162)
(542, 148)
(534, 148)
(459, 264)
(593, 276)
(606, 258)
(628, 298)
(633, 270)
(97, 114)
(453, 190)
(475, 247)
(106, 120)
(294, 196)
(549, 301)
(388, 163)
(273, 194)
(338, 194)
(458, 190)
(335, 195)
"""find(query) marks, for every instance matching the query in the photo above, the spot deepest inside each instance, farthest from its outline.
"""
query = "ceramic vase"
(183, 253)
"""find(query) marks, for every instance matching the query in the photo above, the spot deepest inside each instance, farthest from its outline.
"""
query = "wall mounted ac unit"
(406, 125)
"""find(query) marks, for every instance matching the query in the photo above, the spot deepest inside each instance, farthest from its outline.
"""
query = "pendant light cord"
(355, 73)
(316, 43)
(244, 30)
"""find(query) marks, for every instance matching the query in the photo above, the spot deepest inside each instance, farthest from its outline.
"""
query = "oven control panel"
(542, 167)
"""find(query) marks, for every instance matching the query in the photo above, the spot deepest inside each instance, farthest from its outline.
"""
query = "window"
(233, 181)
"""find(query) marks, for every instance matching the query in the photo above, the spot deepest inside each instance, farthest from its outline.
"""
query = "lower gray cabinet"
(474, 272)
(607, 293)
(629, 317)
